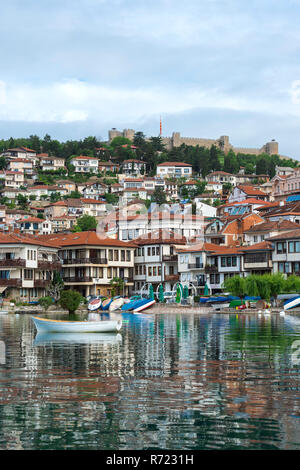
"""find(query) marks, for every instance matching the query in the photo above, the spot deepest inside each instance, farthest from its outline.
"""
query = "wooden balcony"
(77, 280)
(169, 257)
(41, 282)
(85, 261)
(211, 268)
(49, 265)
(11, 282)
(12, 262)
(171, 277)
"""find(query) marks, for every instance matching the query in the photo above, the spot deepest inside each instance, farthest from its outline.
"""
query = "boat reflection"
(79, 338)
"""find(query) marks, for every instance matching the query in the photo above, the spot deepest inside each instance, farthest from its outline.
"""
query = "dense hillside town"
(132, 211)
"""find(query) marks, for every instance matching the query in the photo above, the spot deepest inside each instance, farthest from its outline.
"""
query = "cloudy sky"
(74, 68)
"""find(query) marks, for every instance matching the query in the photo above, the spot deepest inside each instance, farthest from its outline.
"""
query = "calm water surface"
(172, 381)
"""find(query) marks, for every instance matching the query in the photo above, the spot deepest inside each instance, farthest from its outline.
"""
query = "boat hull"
(144, 306)
(57, 326)
(291, 304)
(94, 304)
(116, 304)
(106, 304)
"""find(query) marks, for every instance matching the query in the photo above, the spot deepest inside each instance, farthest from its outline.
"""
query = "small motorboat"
(116, 304)
(94, 304)
(44, 325)
(144, 306)
(106, 303)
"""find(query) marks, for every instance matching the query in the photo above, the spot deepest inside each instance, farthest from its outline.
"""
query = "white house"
(85, 164)
(174, 169)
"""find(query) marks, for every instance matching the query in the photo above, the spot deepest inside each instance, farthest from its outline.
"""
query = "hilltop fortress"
(270, 148)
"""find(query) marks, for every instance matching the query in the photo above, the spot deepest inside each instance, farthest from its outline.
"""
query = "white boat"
(220, 306)
(44, 325)
(78, 338)
(292, 303)
(116, 304)
(94, 304)
(144, 306)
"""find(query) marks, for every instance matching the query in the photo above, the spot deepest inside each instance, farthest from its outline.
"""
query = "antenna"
(160, 127)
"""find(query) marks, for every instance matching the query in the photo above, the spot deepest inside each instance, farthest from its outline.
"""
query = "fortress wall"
(251, 151)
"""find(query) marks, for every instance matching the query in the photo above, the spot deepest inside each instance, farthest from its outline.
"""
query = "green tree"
(236, 285)
(85, 223)
(45, 302)
(117, 284)
(70, 300)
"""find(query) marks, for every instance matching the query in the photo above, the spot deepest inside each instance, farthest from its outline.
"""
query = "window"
(128, 255)
(223, 261)
(284, 267)
(158, 251)
(281, 247)
(109, 273)
(149, 271)
(149, 251)
(28, 274)
(116, 255)
(122, 255)
(294, 247)
(110, 255)
(153, 251)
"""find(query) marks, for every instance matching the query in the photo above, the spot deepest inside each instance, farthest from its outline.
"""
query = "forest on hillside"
(152, 152)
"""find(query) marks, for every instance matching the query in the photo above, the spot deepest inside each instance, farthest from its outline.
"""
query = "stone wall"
(176, 140)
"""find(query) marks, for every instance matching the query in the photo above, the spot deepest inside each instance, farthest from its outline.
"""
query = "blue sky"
(209, 67)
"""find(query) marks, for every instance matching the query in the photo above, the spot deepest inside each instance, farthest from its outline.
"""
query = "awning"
(2, 289)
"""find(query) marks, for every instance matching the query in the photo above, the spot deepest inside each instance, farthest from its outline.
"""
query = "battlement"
(223, 143)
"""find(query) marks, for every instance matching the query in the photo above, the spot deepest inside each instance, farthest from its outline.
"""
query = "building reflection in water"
(169, 381)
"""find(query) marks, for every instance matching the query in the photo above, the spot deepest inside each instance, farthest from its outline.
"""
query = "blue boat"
(135, 304)
(106, 303)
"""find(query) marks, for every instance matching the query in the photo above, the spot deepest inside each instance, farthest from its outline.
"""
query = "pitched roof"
(251, 191)
(174, 164)
(286, 235)
(281, 225)
(262, 246)
(84, 238)
(13, 238)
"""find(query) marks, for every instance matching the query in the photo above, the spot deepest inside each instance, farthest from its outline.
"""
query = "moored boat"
(44, 325)
(94, 304)
(134, 304)
(116, 304)
(291, 303)
(106, 303)
(145, 305)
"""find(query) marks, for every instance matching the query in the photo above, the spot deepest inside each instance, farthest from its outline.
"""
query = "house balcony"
(171, 277)
(211, 268)
(50, 265)
(258, 265)
(78, 280)
(195, 266)
(12, 263)
(169, 257)
(85, 261)
(41, 282)
(11, 282)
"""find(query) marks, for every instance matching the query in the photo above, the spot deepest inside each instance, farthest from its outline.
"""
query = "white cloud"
(73, 100)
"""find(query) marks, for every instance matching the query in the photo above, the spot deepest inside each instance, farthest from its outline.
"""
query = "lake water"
(172, 381)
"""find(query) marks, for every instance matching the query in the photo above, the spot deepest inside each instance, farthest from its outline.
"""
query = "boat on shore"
(145, 305)
(44, 325)
(106, 304)
(94, 304)
(136, 304)
(291, 303)
(116, 304)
